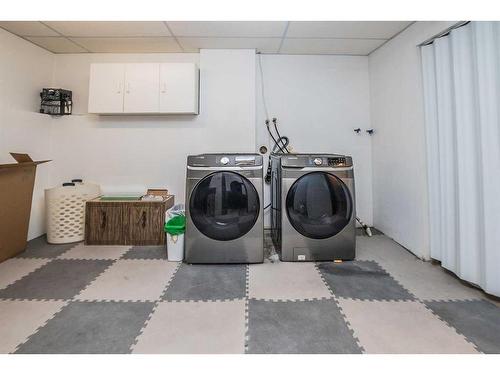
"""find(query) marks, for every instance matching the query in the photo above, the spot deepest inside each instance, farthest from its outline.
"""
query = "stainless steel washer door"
(224, 206)
(319, 205)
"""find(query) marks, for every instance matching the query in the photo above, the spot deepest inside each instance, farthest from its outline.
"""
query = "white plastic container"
(65, 211)
(175, 210)
(175, 247)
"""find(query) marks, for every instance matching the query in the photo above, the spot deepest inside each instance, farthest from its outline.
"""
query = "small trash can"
(175, 228)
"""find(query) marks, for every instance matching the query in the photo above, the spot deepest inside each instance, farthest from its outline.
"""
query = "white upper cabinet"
(106, 88)
(141, 88)
(178, 88)
(144, 88)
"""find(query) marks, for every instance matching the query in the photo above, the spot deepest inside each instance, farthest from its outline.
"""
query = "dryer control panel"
(224, 160)
(238, 160)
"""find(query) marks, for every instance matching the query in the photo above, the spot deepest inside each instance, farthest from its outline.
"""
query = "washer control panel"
(328, 161)
(337, 161)
(316, 160)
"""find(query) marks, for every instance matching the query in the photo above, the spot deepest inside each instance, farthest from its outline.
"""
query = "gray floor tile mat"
(146, 252)
(384, 271)
(478, 321)
(90, 327)
(58, 279)
(298, 327)
(40, 248)
(207, 282)
(362, 280)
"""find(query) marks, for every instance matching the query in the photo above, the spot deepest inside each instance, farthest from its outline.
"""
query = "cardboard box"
(16, 192)
(158, 192)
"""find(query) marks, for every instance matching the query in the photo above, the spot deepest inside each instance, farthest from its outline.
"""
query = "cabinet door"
(142, 88)
(104, 224)
(178, 88)
(145, 224)
(106, 88)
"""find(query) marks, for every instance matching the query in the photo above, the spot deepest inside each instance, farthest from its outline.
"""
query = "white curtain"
(461, 74)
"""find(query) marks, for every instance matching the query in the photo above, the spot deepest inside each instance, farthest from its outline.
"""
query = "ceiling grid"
(267, 37)
(284, 36)
(176, 40)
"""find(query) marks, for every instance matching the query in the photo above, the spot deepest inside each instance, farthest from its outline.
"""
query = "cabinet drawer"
(144, 224)
(103, 224)
(126, 222)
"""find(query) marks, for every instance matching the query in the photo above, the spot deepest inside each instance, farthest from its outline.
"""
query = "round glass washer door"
(319, 205)
(224, 206)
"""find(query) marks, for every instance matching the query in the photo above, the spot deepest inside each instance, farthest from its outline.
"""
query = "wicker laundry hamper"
(65, 210)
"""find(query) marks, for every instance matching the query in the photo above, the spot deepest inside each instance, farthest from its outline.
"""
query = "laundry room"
(205, 185)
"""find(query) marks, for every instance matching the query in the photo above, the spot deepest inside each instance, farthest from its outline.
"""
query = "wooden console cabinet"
(126, 222)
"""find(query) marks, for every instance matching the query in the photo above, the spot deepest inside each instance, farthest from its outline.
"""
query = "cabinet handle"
(143, 219)
(128, 87)
(103, 219)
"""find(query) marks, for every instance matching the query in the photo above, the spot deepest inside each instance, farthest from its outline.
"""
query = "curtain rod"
(443, 33)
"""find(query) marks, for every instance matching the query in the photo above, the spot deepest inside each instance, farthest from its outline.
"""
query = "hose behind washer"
(366, 228)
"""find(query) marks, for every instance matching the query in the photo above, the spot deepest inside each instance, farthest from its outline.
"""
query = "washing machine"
(313, 207)
(224, 209)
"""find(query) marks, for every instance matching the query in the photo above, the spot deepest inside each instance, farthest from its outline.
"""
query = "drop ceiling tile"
(129, 45)
(57, 44)
(264, 45)
(345, 29)
(110, 28)
(313, 46)
(228, 28)
(27, 28)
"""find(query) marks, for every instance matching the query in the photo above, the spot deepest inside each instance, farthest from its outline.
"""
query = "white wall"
(400, 200)
(329, 94)
(131, 153)
(24, 70)
(318, 101)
